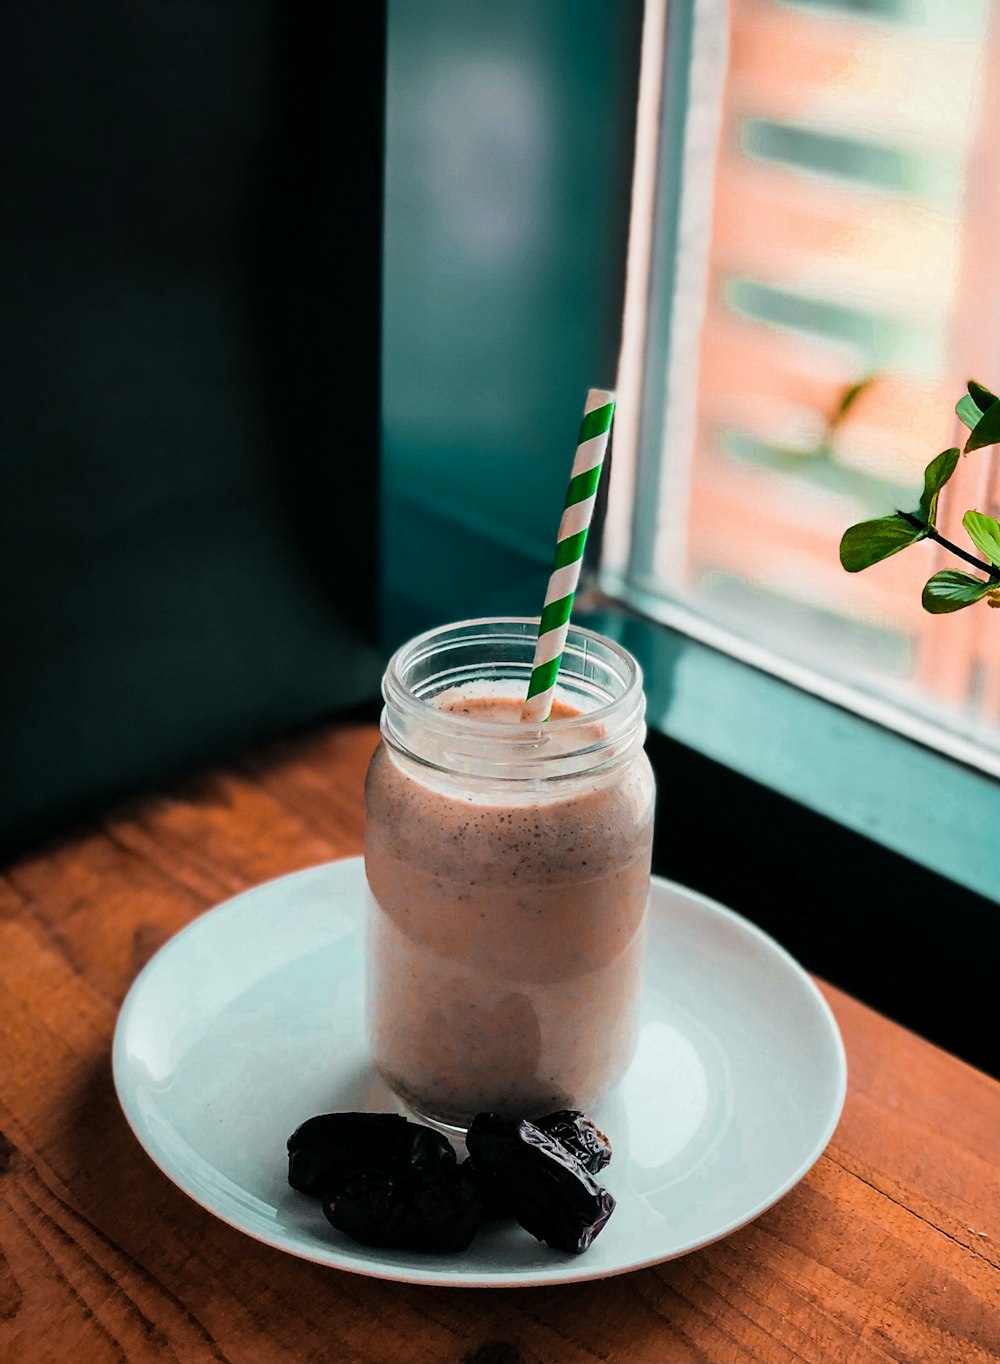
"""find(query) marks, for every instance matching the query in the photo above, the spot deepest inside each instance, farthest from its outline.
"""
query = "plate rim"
(571, 1270)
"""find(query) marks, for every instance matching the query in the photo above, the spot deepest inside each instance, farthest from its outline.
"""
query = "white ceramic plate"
(251, 1020)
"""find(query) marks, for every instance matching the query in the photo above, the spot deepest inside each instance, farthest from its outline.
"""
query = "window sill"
(910, 799)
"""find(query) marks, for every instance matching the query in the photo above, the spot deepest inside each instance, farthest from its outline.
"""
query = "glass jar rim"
(613, 716)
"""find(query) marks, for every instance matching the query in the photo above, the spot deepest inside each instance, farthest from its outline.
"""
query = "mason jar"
(508, 873)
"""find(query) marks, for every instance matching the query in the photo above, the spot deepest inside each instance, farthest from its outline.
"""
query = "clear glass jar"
(508, 873)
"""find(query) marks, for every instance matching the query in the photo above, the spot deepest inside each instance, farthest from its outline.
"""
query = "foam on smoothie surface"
(502, 709)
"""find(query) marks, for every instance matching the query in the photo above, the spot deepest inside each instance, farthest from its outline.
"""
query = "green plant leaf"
(936, 475)
(848, 398)
(869, 541)
(982, 397)
(984, 532)
(987, 431)
(951, 591)
(968, 412)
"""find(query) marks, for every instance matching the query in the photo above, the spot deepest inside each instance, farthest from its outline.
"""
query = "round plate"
(251, 1019)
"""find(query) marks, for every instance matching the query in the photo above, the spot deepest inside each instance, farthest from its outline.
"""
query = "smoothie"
(505, 927)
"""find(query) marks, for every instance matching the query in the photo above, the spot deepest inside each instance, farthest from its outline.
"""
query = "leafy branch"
(950, 590)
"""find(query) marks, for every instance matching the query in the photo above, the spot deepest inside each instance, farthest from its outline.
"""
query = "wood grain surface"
(889, 1250)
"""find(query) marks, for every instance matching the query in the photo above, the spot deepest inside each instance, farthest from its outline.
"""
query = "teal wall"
(510, 129)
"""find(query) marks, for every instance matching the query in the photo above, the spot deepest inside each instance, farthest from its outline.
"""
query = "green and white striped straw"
(581, 495)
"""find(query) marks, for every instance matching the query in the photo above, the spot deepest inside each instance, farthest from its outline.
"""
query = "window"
(812, 279)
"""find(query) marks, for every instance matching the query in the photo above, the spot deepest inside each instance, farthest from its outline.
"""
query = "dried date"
(404, 1210)
(328, 1148)
(578, 1134)
(550, 1192)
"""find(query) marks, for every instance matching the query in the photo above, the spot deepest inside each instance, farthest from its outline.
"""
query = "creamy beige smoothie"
(505, 927)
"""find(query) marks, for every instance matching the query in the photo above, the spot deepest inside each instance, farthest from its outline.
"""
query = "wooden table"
(889, 1250)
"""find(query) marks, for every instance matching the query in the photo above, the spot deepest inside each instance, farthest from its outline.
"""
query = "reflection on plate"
(251, 1019)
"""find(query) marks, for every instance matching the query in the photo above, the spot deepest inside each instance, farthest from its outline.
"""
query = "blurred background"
(298, 316)
(822, 281)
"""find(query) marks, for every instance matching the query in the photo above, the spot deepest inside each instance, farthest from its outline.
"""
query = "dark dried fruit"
(572, 1129)
(326, 1149)
(396, 1184)
(407, 1210)
(578, 1134)
(493, 1197)
(547, 1189)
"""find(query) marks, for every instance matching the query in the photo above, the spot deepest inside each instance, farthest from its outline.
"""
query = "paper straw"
(581, 495)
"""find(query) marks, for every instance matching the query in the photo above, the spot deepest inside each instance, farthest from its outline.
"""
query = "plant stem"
(991, 571)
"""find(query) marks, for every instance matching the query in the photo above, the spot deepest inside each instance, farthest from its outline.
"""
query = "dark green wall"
(190, 222)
